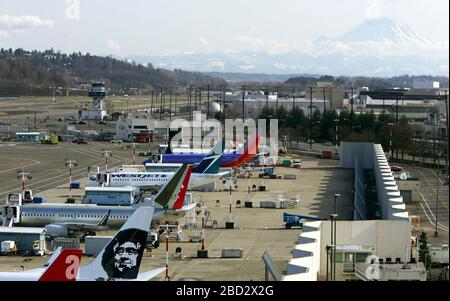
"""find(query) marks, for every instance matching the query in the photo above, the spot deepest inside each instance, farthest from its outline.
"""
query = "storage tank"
(214, 107)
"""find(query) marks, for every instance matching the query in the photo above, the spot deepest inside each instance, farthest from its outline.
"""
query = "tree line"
(407, 139)
(34, 72)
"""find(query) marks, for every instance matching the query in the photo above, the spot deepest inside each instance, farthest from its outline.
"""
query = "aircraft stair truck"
(39, 247)
(293, 220)
(21, 198)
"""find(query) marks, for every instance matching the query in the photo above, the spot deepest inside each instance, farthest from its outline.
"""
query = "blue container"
(38, 200)
(269, 170)
(75, 185)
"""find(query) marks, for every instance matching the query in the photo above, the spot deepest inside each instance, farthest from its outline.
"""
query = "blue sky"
(176, 26)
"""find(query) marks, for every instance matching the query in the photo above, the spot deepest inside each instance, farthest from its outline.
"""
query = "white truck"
(8, 247)
(39, 248)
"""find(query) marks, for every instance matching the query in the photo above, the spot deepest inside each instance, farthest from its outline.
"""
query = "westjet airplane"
(205, 172)
(78, 219)
(235, 158)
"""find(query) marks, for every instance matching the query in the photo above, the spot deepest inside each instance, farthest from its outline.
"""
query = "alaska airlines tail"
(172, 195)
(211, 163)
(64, 267)
(121, 258)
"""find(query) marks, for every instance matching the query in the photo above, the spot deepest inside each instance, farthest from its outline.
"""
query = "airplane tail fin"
(121, 258)
(211, 163)
(251, 146)
(64, 267)
(181, 195)
(173, 193)
(104, 219)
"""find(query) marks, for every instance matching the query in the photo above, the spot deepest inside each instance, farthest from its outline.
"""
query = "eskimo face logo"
(122, 256)
(125, 255)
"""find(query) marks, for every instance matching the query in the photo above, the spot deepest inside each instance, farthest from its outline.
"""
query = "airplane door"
(103, 179)
(11, 213)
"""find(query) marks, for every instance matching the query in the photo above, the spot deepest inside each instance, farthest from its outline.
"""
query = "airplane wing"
(223, 173)
(93, 226)
(146, 276)
(187, 207)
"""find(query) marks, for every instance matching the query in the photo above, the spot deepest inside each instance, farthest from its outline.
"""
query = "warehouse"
(111, 196)
(24, 238)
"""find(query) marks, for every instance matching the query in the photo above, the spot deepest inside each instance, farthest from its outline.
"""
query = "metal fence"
(10, 129)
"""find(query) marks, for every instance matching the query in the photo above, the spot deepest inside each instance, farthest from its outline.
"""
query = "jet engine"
(57, 230)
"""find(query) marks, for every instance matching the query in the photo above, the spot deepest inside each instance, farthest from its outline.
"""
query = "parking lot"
(426, 208)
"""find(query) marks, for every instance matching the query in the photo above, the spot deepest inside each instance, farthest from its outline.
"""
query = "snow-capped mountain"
(382, 30)
(377, 47)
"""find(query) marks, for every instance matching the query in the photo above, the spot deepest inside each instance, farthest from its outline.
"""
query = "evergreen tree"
(424, 252)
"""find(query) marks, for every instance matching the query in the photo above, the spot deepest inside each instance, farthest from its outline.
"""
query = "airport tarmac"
(45, 163)
(256, 229)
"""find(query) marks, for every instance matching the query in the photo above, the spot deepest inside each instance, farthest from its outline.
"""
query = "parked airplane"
(236, 158)
(75, 219)
(66, 261)
(205, 172)
(121, 258)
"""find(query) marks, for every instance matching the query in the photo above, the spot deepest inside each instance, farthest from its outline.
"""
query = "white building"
(365, 250)
(128, 128)
(424, 84)
(98, 93)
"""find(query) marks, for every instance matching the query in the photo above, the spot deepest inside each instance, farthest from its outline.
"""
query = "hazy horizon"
(175, 28)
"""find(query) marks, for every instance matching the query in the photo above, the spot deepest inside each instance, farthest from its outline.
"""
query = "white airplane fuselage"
(153, 180)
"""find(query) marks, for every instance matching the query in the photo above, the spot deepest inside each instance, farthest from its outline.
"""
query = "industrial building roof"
(105, 189)
(22, 230)
(29, 133)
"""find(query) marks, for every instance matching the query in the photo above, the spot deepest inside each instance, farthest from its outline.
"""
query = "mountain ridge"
(376, 47)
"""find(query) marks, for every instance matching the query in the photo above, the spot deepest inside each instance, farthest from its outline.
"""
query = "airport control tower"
(98, 93)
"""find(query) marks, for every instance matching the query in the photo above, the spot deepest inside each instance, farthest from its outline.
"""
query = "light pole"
(285, 138)
(243, 102)
(437, 205)
(310, 115)
(333, 220)
(329, 249)
(106, 154)
(337, 133)
(23, 176)
(133, 146)
(332, 248)
(70, 163)
(390, 142)
(336, 195)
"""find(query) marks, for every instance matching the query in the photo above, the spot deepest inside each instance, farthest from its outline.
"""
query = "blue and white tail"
(211, 163)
